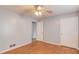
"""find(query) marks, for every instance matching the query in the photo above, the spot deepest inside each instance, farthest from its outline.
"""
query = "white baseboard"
(14, 47)
(78, 48)
(55, 43)
(26, 44)
(49, 42)
(71, 47)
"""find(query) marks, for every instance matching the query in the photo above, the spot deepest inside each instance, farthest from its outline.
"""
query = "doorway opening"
(34, 31)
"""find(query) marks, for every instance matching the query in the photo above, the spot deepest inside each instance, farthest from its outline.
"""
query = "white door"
(40, 30)
(69, 32)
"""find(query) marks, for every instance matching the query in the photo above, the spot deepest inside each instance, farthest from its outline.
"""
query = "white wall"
(69, 31)
(78, 30)
(52, 28)
(14, 29)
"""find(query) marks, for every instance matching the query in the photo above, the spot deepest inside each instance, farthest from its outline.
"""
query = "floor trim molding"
(49, 42)
(57, 44)
(1, 52)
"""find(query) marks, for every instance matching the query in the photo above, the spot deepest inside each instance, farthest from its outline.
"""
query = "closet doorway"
(37, 30)
(34, 31)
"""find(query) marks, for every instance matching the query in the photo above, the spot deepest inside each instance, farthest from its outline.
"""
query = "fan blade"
(49, 11)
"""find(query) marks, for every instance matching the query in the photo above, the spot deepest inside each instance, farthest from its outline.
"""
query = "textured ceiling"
(57, 9)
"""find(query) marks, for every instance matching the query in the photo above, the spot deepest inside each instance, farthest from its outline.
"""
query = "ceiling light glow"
(39, 8)
(40, 13)
(36, 13)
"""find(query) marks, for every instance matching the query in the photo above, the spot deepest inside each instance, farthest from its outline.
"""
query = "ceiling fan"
(38, 10)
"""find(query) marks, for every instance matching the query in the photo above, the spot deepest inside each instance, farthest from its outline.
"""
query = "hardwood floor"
(38, 47)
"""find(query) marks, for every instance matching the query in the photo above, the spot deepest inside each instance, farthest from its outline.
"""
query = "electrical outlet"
(12, 45)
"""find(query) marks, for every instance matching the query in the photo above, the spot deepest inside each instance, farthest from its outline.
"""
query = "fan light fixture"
(38, 11)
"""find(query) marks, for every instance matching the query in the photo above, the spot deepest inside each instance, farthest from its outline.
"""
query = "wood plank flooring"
(39, 47)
